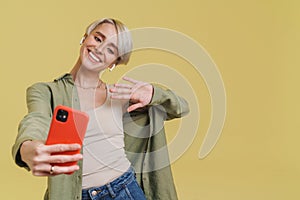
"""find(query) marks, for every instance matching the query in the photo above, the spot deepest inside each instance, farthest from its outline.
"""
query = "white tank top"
(104, 157)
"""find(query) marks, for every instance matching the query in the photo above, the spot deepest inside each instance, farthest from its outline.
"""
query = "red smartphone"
(68, 126)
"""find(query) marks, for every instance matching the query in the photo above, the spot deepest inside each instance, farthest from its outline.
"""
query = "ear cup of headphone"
(112, 68)
(82, 40)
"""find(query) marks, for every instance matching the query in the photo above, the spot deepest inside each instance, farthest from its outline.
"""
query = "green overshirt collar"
(66, 76)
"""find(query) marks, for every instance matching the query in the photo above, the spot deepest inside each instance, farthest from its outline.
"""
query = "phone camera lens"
(62, 115)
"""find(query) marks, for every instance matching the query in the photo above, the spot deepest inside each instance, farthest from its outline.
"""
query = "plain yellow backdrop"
(255, 45)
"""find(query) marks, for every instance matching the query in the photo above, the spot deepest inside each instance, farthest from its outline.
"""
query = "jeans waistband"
(112, 187)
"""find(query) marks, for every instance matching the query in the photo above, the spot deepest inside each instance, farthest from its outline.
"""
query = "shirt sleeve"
(35, 125)
(173, 105)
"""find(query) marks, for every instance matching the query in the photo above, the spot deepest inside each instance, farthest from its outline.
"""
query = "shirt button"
(94, 193)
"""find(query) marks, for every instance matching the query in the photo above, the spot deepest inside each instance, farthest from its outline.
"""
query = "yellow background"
(254, 43)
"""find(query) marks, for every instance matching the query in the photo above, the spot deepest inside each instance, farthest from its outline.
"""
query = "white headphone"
(82, 39)
(112, 68)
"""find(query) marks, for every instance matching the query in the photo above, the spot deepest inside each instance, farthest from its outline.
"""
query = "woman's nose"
(99, 49)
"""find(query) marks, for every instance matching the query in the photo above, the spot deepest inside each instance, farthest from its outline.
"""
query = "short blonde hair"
(124, 38)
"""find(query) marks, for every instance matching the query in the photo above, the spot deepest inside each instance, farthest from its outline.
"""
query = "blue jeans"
(123, 188)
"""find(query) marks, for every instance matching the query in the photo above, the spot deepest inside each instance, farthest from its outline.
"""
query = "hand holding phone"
(68, 126)
(38, 157)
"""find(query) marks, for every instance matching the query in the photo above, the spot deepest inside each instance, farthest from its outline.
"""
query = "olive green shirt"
(145, 141)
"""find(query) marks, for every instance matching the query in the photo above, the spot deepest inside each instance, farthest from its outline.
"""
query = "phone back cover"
(69, 132)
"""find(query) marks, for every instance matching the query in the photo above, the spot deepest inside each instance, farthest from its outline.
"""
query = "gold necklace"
(87, 88)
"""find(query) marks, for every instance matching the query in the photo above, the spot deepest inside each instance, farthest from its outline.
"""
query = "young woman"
(104, 170)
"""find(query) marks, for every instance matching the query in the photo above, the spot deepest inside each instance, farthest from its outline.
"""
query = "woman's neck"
(84, 78)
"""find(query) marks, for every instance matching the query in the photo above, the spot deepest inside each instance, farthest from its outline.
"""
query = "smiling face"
(99, 49)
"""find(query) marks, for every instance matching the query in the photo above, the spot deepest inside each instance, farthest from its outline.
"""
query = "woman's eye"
(98, 39)
(110, 51)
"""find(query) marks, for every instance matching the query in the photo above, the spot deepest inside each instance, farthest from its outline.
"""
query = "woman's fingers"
(134, 106)
(58, 148)
(126, 78)
(63, 169)
(39, 157)
(139, 93)
(126, 89)
(121, 91)
(121, 96)
(64, 158)
(51, 170)
(41, 169)
(44, 168)
(123, 85)
(45, 153)
(118, 90)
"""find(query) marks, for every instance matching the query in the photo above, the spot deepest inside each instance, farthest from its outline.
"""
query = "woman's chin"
(95, 67)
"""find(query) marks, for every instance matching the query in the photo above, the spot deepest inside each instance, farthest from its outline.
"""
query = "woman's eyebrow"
(104, 37)
(113, 45)
(101, 35)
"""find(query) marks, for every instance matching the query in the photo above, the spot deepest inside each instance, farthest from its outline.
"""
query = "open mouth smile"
(93, 56)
